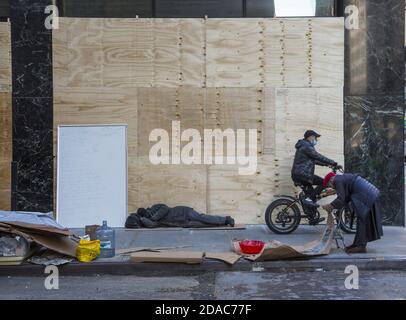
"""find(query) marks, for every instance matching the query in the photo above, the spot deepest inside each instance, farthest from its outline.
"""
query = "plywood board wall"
(5, 117)
(304, 52)
(245, 197)
(234, 52)
(173, 185)
(5, 57)
(158, 107)
(278, 76)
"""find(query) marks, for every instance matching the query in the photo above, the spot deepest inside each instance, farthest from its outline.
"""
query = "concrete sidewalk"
(387, 253)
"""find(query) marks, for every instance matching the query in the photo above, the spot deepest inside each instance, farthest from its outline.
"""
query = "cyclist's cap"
(309, 133)
(327, 178)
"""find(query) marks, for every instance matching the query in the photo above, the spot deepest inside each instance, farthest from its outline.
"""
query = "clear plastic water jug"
(106, 235)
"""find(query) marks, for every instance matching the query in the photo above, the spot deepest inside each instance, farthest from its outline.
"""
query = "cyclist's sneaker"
(314, 221)
(310, 203)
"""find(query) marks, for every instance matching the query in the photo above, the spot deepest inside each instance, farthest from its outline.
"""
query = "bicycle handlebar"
(337, 168)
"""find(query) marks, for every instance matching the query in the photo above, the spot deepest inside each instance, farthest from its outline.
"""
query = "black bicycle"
(284, 214)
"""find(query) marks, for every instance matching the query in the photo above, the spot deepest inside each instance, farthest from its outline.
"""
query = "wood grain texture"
(235, 108)
(98, 106)
(298, 109)
(158, 107)
(173, 185)
(234, 52)
(303, 52)
(5, 57)
(278, 76)
(244, 197)
(5, 150)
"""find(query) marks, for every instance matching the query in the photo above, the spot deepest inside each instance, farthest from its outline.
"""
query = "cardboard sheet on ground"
(275, 250)
(189, 257)
(227, 257)
(59, 243)
(33, 222)
(167, 255)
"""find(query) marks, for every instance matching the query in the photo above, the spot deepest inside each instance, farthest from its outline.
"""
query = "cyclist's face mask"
(314, 142)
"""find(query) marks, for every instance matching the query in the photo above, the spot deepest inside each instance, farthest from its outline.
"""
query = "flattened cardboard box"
(189, 257)
(275, 250)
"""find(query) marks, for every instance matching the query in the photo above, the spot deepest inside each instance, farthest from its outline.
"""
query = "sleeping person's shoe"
(230, 221)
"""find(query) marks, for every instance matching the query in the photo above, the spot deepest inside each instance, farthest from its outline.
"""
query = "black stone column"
(374, 101)
(31, 42)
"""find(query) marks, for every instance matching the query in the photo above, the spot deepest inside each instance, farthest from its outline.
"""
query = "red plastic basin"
(251, 246)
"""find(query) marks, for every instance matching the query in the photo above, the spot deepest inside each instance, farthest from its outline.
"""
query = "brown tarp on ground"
(275, 250)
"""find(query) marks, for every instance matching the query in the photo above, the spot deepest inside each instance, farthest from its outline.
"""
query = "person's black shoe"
(314, 221)
(310, 203)
(230, 221)
(355, 249)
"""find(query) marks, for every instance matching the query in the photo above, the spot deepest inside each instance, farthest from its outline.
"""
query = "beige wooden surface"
(278, 76)
(5, 57)
(158, 107)
(304, 52)
(234, 52)
(244, 197)
(5, 117)
(173, 185)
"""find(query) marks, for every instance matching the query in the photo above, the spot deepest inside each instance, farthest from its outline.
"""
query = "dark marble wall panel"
(199, 8)
(374, 145)
(31, 45)
(374, 52)
(374, 100)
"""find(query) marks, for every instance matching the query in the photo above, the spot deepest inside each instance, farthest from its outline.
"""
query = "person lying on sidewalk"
(160, 215)
(364, 197)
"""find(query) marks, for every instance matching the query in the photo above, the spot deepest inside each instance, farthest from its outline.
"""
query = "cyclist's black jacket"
(306, 158)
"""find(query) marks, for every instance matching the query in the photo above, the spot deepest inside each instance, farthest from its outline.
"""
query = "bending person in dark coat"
(160, 215)
(364, 197)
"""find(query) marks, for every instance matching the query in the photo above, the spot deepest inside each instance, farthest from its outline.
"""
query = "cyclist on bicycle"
(306, 158)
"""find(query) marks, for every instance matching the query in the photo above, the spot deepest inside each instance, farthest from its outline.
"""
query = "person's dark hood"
(301, 143)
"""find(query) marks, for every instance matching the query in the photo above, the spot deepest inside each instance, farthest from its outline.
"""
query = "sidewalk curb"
(176, 269)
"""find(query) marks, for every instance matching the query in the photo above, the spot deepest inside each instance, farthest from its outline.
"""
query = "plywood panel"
(5, 150)
(167, 69)
(85, 64)
(173, 185)
(98, 106)
(244, 197)
(299, 109)
(158, 107)
(302, 52)
(234, 52)
(118, 52)
(261, 74)
(192, 47)
(60, 53)
(178, 52)
(236, 108)
(143, 66)
(5, 57)
(127, 46)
